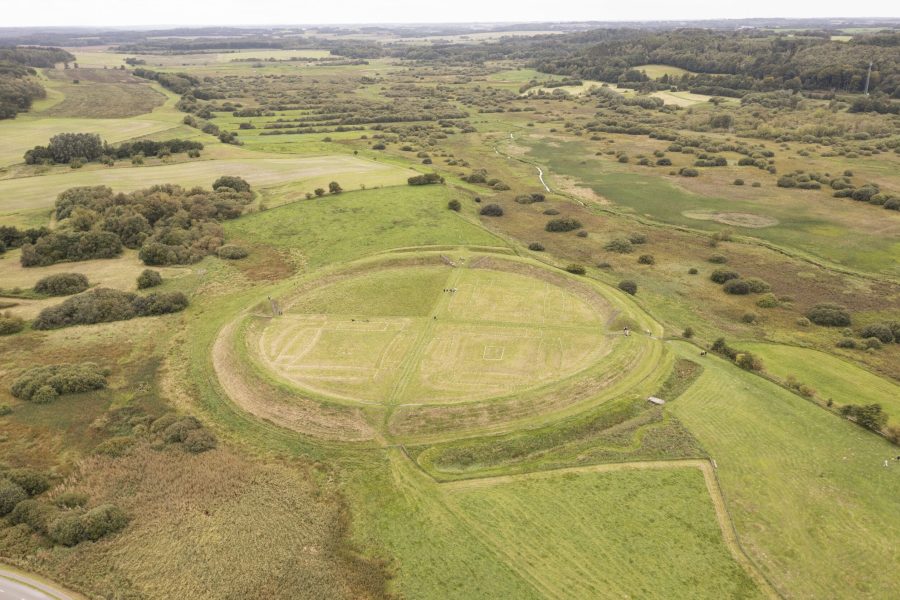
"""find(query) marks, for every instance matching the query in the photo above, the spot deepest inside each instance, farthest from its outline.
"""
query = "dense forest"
(742, 61)
(722, 62)
(18, 85)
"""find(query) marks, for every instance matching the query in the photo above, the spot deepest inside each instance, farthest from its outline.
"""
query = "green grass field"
(354, 224)
(384, 437)
(812, 503)
(831, 377)
(549, 535)
(99, 57)
(648, 534)
(407, 292)
(835, 230)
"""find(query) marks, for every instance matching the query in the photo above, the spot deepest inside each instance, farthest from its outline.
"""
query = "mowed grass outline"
(641, 376)
(433, 320)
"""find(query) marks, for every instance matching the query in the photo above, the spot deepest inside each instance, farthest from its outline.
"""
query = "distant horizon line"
(449, 23)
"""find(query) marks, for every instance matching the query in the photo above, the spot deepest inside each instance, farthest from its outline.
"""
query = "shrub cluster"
(426, 179)
(75, 526)
(480, 176)
(64, 521)
(620, 245)
(829, 315)
(886, 332)
(231, 182)
(67, 148)
(232, 252)
(870, 416)
(492, 210)
(11, 237)
(11, 494)
(530, 198)
(170, 225)
(637, 238)
(185, 430)
(744, 360)
(104, 305)
(628, 286)
(63, 246)
(768, 301)
(10, 324)
(44, 384)
(562, 224)
(148, 279)
(720, 276)
(737, 287)
(62, 284)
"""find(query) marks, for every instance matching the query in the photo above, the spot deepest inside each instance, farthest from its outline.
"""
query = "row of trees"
(104, 305)
(64, 148)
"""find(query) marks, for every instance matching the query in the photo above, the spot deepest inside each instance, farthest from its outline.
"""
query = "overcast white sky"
(284, 12)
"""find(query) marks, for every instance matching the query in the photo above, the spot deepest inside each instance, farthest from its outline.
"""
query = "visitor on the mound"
(625, 331)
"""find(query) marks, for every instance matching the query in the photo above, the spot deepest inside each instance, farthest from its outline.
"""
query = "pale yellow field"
(33, 193)
(656, 71)
(119, 273)
(575, 90)
(25, 132)
(681, 98)
(99, 57)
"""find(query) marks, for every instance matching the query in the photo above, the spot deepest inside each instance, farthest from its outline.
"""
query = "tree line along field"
(389, 385)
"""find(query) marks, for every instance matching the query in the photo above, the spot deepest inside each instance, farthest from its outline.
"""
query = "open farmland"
(781, 482)
(556, 310)
(20, 135)
(831, 378)
(511, 511)
(35, 193)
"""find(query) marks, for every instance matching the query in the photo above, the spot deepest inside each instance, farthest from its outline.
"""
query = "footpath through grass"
(812, 502)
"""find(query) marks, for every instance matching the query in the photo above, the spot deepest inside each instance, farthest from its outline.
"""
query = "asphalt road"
(15, 585)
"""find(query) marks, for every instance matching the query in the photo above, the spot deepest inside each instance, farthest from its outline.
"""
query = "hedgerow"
(105, 305)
